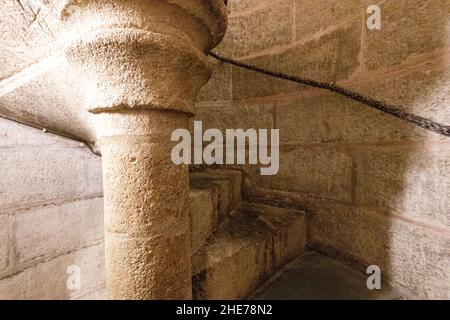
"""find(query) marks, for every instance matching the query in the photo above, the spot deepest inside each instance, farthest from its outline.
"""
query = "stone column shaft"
(143, 63)
(147, 239)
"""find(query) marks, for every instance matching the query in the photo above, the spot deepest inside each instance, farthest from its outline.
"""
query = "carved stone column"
(143, 63)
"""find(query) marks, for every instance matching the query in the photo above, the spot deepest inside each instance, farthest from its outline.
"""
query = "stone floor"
(315, 277)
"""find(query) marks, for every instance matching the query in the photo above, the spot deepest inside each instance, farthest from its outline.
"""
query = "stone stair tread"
(247, 248)
(227, 182)
(213, 196)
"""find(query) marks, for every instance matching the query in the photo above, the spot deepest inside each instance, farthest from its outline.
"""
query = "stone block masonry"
(376, 187)
(51, 215)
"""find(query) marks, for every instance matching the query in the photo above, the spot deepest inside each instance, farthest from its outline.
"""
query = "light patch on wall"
(29, 74)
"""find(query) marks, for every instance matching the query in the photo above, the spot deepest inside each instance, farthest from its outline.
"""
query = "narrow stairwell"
(236, 245)
(246, 250)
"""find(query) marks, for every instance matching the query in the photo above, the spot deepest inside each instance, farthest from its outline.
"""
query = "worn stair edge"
(214, 195)
(251, 246)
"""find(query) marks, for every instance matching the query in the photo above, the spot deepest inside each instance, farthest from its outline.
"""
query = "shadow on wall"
(399, 216)
(377, 189)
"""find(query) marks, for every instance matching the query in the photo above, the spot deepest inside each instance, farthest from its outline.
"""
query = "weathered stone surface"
(213, 196)
(332, 57)
(203, 216)
(268, 27)
(218, 88)
(409, 256)
(319, 171)
(148, 268)
(423, 90)
(147, 240)
(226, 186)
(92, 179)
(14, 135)
(51, 100)
(56, 229)
(236, 115)
(330, 118)
(250, 84)
(29, 33)
(413, 182)
(254, 244)
(176, 34)
(4, 241)
(49, 174)
(407, 31)
(47, 280)
(317, 15)
(149, 60)
(237, 6)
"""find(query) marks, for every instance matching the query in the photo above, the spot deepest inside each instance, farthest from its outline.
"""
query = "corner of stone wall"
(376, 187)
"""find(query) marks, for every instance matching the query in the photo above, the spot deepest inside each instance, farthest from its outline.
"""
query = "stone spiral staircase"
(237, 245)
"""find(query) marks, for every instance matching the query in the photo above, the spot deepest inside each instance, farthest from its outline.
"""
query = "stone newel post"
(143, 63)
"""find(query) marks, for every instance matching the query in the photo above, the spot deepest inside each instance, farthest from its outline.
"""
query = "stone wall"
(51, 216)
(377, 189)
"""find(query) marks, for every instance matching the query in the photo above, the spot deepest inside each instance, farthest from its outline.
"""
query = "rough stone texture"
(238, 6)
(345, 153)
(331, 57)
(218, 87)
(142, 83)
(213, 197)
(407, 31)
(43, 232)
(249, 248)
(93, 179)
(44, 195)
(331, 13)
(317, 171)
(37, 36)
(244, 84)
(330, 118)
(409, 256)
(393, 178)
(50, 100)
(422, 89)
(261, 29)
(14, 135)
(226, 186)
(147, 242)
(236, 115)
(203, 216)
(34, 90)
(47, 280)
(198, 23)
(404, 63)
(134, 68)
(45, 175)
(4, 239)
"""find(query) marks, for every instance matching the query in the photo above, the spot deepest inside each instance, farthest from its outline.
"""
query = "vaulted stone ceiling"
(37, 86)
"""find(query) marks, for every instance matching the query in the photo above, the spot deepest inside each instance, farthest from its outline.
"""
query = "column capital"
(142, 54)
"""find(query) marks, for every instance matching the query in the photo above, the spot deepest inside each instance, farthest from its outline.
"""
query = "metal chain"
(422, 122)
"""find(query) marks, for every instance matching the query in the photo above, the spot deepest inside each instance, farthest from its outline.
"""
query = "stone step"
(249, 247)
(214, 195)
